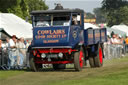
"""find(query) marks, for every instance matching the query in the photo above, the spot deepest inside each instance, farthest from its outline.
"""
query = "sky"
(86, 5)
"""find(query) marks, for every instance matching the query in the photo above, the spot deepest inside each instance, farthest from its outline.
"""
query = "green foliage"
(113, 4)
(90, 15)
(116, 11)
(22, 7)
(100, 15)
(36, 5)
(124, 14)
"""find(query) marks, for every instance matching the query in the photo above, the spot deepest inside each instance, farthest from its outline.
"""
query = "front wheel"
(78, 60)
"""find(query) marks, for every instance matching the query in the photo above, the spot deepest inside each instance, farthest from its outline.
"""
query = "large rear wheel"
(79, 60)
(98, 59)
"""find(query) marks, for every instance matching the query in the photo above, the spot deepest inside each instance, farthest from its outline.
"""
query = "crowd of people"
(17, 55)
(116, 39)
(116, 46)
(17, 52)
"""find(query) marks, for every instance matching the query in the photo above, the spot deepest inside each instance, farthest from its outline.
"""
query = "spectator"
(126, 41)
(0, 47)
(114, 39)
(28, 43)
(12, 52)
(107, 48)
(115, 42)
(112, 33)
(18, 53)
(0, 43)
(22, 52)
(123, 46)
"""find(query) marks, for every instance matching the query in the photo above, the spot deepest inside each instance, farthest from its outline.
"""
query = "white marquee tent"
(123, 28)
(116, 31)
(14, 25)
(88, 25)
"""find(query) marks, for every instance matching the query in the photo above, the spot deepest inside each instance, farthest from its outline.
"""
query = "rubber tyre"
(79, 60)
(98, 59)
(34, 66)
(91, 62)
(59, 66)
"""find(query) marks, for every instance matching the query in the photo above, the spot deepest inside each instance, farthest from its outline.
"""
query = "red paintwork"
(81, 57)
(62, 50)
(53, 62)
(100, 55)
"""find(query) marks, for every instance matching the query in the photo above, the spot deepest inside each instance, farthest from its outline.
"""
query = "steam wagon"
(59, 38)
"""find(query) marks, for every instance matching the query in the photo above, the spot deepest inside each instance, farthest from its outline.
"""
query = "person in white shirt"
(22, 52)
(114, 39)
(12, 52)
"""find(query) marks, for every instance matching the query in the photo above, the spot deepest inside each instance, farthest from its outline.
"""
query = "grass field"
(114, 72)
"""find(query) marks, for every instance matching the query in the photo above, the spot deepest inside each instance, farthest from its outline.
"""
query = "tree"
(100, 15)
(36, 5)
(123, 13)
(22, 7)
(113, 8)
(89, 15)
(113, 4)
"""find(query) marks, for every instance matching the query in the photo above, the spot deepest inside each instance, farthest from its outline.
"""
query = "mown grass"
(114, 78)
(107, 76)
(114, 72)
(10, 73)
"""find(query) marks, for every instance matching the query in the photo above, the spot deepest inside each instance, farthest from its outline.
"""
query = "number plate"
(52, 55)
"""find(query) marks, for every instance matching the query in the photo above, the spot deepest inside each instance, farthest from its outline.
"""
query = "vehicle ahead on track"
(59, 38)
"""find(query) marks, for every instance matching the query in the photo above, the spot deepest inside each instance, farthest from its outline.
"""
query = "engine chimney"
(58, 7)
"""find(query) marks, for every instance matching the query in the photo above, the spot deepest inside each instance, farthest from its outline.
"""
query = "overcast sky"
(86, 5)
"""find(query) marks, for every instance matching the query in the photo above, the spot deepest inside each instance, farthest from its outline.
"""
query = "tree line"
(112, 12)
(22, 8)
(116, 11)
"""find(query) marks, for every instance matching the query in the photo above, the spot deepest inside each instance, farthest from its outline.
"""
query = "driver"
(74, 20)
(42, 23)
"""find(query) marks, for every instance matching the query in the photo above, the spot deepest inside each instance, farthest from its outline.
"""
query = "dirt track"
(48, 77)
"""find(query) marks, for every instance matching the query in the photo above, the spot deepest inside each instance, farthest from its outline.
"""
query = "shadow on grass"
(71, 69)
(68, 69)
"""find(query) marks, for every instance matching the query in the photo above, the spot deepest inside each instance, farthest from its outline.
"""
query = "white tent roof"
(123, 28)
(14, 25)
(116, 31)
(88, 25)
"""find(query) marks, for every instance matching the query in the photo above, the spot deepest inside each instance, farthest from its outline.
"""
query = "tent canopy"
(116, 31)
(88, 25)
(123, 28)
(14, 25)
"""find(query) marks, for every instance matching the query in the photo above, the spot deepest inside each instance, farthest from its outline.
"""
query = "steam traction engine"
(59, 38)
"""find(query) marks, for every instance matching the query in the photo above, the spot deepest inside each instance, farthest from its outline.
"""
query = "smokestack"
(58, 7)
